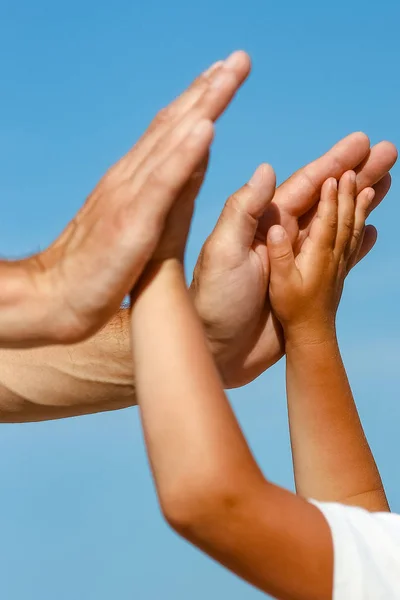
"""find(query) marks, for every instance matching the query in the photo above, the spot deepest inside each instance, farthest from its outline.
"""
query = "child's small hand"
(305, 290)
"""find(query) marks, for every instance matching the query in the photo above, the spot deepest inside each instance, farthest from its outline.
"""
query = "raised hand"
(231, 277)
(331, 457)
(305, 290)
(70, 290)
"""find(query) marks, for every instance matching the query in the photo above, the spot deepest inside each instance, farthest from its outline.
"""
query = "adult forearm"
(331, 456)
(65, 381)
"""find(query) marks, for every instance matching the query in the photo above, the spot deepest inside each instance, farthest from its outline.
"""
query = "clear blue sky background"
(79, 81)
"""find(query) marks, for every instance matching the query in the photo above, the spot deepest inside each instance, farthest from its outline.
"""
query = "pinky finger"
(362, 208)
(367, 242)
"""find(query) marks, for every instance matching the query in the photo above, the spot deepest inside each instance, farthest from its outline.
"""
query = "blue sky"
(79, 81)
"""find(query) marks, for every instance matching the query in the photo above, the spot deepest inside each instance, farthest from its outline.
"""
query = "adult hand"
(230, 281)
(69, 291)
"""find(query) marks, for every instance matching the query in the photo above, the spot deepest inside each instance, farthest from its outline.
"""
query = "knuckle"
(237, 204)
(331, 222)
(136, 225)
(347, 225)
(201, 82)
(283, 255)
(356, 235)
(162, 117)
(234, 202)
(157, 179)
(356, 238)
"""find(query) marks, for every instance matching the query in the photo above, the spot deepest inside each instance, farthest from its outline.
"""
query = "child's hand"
(305, 291)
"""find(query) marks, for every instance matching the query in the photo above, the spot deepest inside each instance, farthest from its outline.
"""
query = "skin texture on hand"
(68, 292)
(230, 281)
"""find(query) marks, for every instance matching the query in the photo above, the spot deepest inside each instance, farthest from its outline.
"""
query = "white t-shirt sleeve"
(366, 552)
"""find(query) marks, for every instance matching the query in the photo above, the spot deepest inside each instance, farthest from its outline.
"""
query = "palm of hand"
(232, 286)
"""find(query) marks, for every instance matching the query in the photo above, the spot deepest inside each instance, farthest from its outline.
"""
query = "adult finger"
(210, 106)
(299, 193)
(209, 95)
(376, 164)
(380, 159)
(164, 184)
(237, 225)
(381, 189)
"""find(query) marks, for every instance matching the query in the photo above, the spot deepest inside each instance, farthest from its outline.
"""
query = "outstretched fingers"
(164, 184)
(206, 98)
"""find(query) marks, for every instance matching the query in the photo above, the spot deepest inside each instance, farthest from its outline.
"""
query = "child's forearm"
(331, 456)
(180, 395)
(209, 486)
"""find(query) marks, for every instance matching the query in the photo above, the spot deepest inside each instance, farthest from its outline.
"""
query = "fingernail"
(276, 233)
(352, 176)
(256, 179)
(213, 68)
(333, 183)
(233, 60)
(371, 195)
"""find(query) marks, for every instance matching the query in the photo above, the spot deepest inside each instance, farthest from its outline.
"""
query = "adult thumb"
(238, 222)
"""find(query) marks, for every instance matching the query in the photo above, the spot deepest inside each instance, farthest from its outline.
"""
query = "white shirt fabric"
(366, 552)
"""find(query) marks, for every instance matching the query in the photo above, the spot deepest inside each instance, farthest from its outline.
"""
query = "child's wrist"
(170, 271)
(309, 334)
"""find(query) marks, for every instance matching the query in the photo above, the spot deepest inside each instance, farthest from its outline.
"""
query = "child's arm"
(210, 488)
(331, 457)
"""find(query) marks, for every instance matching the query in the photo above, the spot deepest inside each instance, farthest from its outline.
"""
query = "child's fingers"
(324, 228)
(281, 256)
(367, 242)
(346, 197)
(362, 208)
